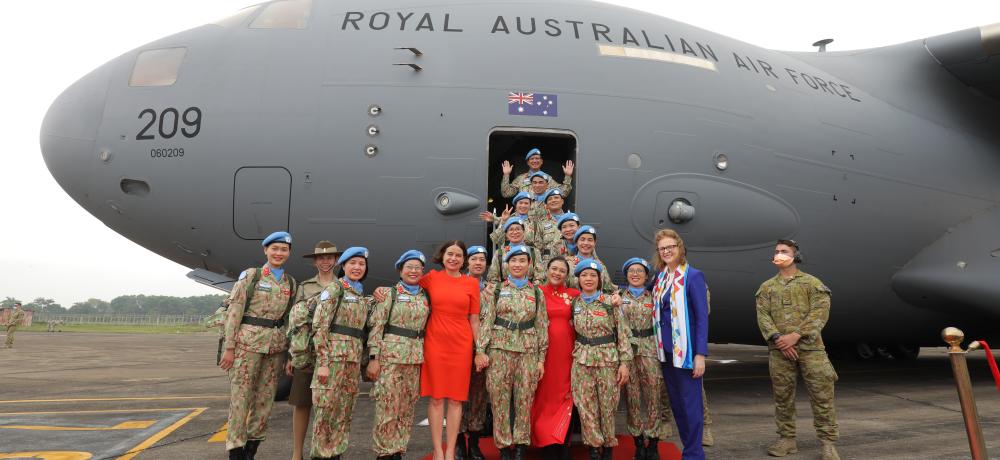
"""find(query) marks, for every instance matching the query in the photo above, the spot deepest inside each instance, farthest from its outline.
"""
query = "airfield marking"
(162, 434)
(49, 455)
(130, 425)
(220, 436)
(164, 398)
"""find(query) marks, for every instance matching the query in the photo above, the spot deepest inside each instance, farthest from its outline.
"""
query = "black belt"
(254, 321)
(610, 338)
(403, 332)
(522, 326)
(347, 330)
(640, 333)
(546, 252)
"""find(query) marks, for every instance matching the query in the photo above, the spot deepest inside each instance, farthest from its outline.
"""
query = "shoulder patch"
(325, 295)
(243, 274)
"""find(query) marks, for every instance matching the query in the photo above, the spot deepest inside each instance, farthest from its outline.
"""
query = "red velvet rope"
(992, 361)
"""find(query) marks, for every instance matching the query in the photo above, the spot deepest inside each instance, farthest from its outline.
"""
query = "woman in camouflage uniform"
(600, 359)
(396, 344)
(585, 239)
(338, 327)
(513, 339)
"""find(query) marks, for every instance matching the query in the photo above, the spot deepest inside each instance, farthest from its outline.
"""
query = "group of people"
(534, 336)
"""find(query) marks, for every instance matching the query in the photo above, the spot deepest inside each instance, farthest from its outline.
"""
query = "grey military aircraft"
(384, 124)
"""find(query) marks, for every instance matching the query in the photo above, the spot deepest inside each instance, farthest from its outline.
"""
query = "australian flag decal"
(537, 104)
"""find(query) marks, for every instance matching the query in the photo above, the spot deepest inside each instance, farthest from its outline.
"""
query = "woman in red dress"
(451, 329)
(553, 407)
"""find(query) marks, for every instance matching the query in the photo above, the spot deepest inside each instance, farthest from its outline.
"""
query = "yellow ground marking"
(162, 434)
(108, 411)
(220, 436)
(130, 425)
(50, 455)
(164, 398)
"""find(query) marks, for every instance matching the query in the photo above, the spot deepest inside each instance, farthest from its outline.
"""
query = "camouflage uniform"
(475, 409)
(521, 183)
(515, 335)
(258, 350)
(800, 304)
(548, 240)
(397, 341)
(595, 366)
(645, 379)
(498, 268)
(12, 323)
(606, 284)
(340, 351)
(300, 323)
(54, 326)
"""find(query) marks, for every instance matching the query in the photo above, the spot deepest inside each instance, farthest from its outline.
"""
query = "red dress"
(553, 406)
(448, 346)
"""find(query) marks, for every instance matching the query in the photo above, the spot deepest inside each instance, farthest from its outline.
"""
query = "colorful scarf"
(672, 285)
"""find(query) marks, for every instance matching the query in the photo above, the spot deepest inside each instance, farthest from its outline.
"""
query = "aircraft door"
(261, 201)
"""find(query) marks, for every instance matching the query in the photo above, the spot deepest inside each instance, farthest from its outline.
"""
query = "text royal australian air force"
(601, 33)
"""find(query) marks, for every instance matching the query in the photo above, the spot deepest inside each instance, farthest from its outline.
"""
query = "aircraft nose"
(69, 132)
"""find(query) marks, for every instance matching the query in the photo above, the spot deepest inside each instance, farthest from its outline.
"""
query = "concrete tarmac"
(103, 395)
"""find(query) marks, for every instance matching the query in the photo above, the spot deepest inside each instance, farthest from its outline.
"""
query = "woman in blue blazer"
(681, 325)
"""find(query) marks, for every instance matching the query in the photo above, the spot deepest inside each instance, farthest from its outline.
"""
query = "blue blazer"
(697, 296)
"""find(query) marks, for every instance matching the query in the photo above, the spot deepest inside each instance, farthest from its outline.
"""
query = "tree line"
(126, 305)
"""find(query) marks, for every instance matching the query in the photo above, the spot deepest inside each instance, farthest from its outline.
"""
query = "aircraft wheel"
(284, 382)
(882, 352)
(863, 351)
(904, 351)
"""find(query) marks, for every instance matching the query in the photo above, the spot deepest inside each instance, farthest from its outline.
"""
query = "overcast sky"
(56, 249)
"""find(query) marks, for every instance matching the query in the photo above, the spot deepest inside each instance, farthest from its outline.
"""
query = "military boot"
(653, 449)
(385, 457)
(519, 451)
(251, 448)
(707, 439)
(505, 453)
(238, 453)
(640, 448)
(461, 450)
(782, 447)
(829, 451)
(608, 453)
(594, 453)
(474, 452)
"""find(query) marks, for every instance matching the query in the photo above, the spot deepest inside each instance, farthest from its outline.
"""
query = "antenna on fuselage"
(822, 44)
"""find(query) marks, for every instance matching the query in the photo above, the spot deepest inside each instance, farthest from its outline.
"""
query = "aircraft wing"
(971, 55)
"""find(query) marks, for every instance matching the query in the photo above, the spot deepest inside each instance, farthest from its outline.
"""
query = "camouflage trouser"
(253, 379)
(667, 415)
(643, 397)
(475, 410)
(10, 335)
(819, 375)
(511, 380)
(334, 403)
(596, 395)
(396, 391)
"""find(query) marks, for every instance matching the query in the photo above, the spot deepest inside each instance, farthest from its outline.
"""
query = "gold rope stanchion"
(954, 337)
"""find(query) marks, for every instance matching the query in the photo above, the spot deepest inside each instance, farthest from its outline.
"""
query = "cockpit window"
(284, 14)
(237, 18)
(157, 67)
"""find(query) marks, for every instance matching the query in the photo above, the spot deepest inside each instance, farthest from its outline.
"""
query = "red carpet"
(624, 451)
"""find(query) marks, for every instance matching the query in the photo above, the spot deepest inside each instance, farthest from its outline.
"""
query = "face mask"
(783, 260)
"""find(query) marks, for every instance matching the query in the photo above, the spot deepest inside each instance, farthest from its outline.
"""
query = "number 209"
(169, 123)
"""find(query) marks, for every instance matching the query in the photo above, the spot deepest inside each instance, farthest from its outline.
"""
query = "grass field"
(113, 328)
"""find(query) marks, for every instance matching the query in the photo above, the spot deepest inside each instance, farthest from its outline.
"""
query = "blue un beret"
(587, 264)
(520, 196)
(516, 251)
(633, 261)
(277, 237)
(551, 192)
(473, 250)
(565, 217)
(538, 174)
(512, 221)
(412, 254)
(352, 252)
(531, 152)
(585, 229)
